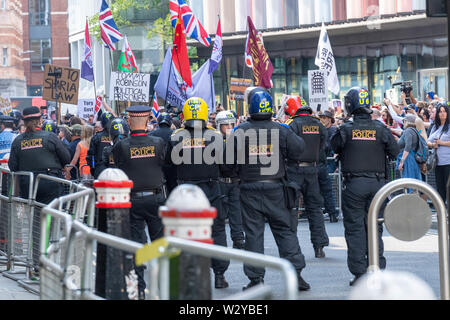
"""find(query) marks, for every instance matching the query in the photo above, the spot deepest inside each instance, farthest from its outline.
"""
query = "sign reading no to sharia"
(64, 87)
(134, 87)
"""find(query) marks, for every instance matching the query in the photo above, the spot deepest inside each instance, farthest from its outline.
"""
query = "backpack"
(421, 152)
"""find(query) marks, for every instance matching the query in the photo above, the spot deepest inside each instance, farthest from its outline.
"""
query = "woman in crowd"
(81, 152)
(440, 139)
(408, 143)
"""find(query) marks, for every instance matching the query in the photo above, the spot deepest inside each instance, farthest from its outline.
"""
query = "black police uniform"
(206, 177)
(108, 158)
(304, 172)
(325, 182)
(142, 157)
(229, 186)
(262, 196)
(170, 172)
(363, 146)
(95, 153)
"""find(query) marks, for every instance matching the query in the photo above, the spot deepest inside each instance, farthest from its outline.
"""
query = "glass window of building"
(42, 54)
(291, 13)
(5, 57)
(39, 12)
(3, 4)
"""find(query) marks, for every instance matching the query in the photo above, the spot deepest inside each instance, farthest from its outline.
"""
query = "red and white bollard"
(115, 275)
(189, 215)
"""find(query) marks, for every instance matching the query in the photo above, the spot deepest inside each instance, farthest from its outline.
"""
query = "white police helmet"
(225, 117)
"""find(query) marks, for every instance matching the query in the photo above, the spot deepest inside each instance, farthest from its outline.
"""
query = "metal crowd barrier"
(65, 275)
(20, 223)
(408, 217)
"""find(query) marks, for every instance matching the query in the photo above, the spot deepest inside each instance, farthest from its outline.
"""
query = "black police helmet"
(17, 115)
(106, 119)
(357, 100)
(165, 118)
(119, 129)
(50, 126)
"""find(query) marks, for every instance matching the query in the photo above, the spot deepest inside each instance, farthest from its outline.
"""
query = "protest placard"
(63, 88)
(86, 108)
(5, 105)
(318, 90)
(134, 87)
(238, 87)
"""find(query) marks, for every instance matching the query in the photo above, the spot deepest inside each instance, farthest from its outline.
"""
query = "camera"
(405, 87)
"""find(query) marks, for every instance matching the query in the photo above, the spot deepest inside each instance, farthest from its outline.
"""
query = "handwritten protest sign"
(62, 89)
(134, 87)
(5, 105)
(86, 108)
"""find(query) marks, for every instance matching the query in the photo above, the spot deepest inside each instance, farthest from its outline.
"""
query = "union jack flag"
(108, 28)
(193, 27)
(155, 109)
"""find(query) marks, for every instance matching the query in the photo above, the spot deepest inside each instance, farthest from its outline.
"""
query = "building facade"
(376, 43)
(12, 76)
(45, 39)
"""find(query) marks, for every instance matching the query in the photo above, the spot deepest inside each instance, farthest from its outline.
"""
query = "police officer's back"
(98, 142)
(364, 146)
(189, 145)
(305, 171)
(262, 191)
(164, 131)
(141, 157)
(119, 130)
(39, 152)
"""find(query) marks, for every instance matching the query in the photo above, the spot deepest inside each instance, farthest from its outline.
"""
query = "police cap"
(139, 111)
(31, 113)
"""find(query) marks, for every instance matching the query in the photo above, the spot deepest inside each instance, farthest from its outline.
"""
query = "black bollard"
(115, 275)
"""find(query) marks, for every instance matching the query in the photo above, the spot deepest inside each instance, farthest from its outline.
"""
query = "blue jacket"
(6, 139)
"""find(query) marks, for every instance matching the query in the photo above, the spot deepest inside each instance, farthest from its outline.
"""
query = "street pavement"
(328, 277)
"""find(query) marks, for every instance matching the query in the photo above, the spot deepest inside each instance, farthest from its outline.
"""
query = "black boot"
(355, 279)
(239, 244)
(333, 218)
(318, 251)
(302, 284)
(220, 282)
(253, 282)
(141, 295)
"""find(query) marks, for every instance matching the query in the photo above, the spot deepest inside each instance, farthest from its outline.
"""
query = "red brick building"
(12, 78)
(45, 38)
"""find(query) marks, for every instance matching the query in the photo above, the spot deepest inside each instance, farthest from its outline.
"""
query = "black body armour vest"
(188, 146)
(364, 151)
(309, 129)
(142, 160)
(37, 154)
(269, 147)
(103, 141)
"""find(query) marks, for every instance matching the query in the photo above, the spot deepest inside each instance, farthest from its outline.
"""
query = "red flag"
(262, 66)
(180, 56)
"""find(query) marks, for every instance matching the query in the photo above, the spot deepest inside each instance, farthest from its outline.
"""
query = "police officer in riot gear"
(363, 147)
(118, 130)
(229, 185)
(50, 126)
(262, 191)
(142, 157)
(17, 116)
(98, 142)
(304, 171)
(206, 176)
(164, 131)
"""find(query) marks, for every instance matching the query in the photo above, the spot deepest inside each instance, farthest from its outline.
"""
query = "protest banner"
(318, 90)
(337, 106)
(86, 108)
(64, 87)
(238, 87)
(5, 105)
(133, 87)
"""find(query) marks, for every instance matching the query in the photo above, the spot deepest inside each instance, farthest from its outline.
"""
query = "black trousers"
(307, 180)
(261, 200)
(232, 209)
(144, 212)
(214, 195)
(326, 190)
(356, 199)
(442, 173)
